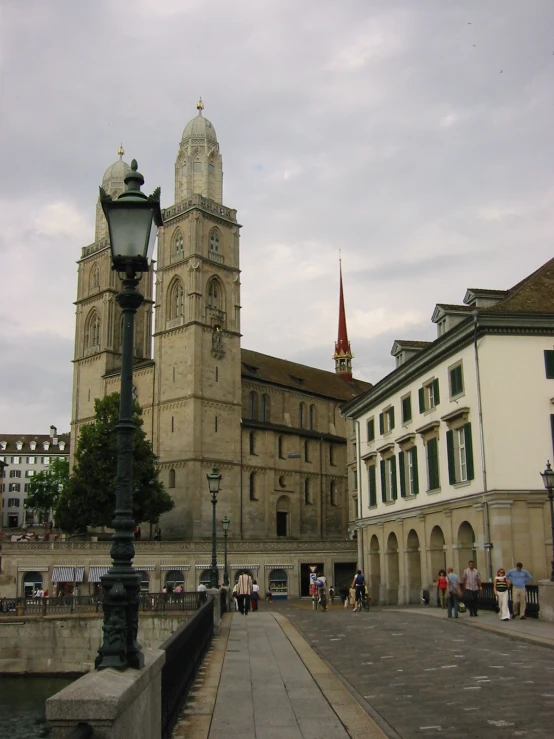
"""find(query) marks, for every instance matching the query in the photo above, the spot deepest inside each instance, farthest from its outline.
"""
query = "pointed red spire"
(343, 354)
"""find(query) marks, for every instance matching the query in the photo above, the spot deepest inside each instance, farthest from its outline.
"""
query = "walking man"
(244, 591)
(519, 579)
(453, 590)
(472, 587)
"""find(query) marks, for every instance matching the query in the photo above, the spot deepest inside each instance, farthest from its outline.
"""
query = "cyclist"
(359, 584)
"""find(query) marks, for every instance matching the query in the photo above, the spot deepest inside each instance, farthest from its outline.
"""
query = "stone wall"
(68, 645)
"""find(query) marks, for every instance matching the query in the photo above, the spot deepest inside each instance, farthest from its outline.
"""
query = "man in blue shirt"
(519, 579)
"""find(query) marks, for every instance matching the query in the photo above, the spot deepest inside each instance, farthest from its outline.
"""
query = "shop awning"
(67, 574)
(95, 573)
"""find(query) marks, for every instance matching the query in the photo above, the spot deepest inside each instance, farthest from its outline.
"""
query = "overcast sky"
(416, 137)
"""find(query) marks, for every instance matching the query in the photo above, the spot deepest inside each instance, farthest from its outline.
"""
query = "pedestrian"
(321, 582)
(235, 601)
(351, 600)
(254, 598)
(343, 592)
(501, 587)
(454, 592)
(202, 591)
(358, 583)
(471, 580)
(442, 589)
(331, 594)
(519, 579)
(244, 591)
(269, 595)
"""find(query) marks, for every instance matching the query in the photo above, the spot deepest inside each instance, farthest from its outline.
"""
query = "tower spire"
(343, 355)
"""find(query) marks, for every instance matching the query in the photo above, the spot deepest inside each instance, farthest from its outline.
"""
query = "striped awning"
(67, 574)
(279, 567)
(95, 573)
(165, 568)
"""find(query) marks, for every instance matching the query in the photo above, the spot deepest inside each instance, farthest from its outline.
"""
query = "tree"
(46, 487)
(89, 499)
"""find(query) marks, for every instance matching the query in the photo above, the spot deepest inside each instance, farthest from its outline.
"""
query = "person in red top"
(442, 588)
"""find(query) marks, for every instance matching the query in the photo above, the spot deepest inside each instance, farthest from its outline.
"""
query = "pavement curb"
(355, 719)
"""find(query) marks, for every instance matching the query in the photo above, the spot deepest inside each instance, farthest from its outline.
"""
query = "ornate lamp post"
(225, 525)
(133, 221)
(548, 480)
(214, 480)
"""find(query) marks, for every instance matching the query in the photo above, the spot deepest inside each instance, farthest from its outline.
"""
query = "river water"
(22, 704)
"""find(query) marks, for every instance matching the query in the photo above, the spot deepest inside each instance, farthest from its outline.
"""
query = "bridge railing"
(487, 599)
(184, 650)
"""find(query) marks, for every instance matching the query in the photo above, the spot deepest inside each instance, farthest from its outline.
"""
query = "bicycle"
(363, 604)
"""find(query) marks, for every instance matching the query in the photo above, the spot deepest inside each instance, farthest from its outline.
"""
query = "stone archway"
(466, 546)
(413, 556)
(393, 570)
(374, 574)
(436, 548)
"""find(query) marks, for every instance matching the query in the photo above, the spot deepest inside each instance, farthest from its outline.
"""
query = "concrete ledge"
(118, 705)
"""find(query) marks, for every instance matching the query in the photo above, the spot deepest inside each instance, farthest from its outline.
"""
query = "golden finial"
(121, 151)
(199, 106)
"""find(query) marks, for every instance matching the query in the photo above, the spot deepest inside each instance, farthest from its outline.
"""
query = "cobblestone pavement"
(425, 676)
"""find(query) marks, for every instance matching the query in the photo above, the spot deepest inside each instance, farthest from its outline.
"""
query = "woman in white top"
(254, 598)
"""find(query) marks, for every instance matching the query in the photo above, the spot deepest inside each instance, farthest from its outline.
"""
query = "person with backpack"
(358, 583)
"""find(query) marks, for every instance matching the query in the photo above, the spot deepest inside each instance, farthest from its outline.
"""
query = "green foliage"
(89, 499)
(46, 487)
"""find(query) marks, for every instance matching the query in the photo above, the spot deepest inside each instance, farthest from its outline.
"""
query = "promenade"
(287, 672)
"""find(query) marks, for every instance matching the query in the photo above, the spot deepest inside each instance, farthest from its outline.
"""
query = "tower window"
(176, 299)
(172, 423)
(214, 294)
(197, 167)
(216, 424)
(252, 486)
(178, 243)
(252, 443)
(217, 374)
(171, 482)
(92, 330)
(94, 283)
(214, 240)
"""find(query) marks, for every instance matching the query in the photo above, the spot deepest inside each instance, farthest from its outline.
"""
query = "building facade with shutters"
(450, 444)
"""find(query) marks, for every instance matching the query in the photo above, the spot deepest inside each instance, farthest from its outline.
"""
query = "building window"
(333, 497)
(217, 374)
(460, 454)
(46, 460)
(354, 479)
(306, 451)
(214, 294)
(19, 445)
(15, 473)
(264, 408)
(331, 455)
(252, 405)
(215, 424)
(280, 450)
(172, 424)
(31, 460)
(197, 167)
(176, 300)
(311, 418)
(301, 415)
(14, 487)
(16, 460)
(372, 485)
(549, 363)
(407, 463)
(406, 409)
(13, 502)
(178, 243)
(29, 473)
(386, 420)
(371, 429)
(252, 486)
(94, 283)
(429, 396)
(388, 479)
(171, 481)
(26, 487)
(214, 241)
(92, 330)
(307, 492)
(433, 477)
(252, 442)
(456, 380)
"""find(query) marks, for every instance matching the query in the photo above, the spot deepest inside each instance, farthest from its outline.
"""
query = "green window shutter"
(436, 391)
(433, 462)
(372, 486)
(394, 489)
(391, 419)
(381, 424)
(549, 363)
(421, 393)
(402, 475)
(407, 409)
(450, 453)
(469, 451)
(383, 485)
(413, 452)
(459, 380)
(371, 430)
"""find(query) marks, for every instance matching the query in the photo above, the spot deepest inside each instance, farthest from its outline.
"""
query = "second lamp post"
(225, 526)
(214, 480)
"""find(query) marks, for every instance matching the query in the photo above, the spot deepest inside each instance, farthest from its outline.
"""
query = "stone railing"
(205, 204)
(289, 546)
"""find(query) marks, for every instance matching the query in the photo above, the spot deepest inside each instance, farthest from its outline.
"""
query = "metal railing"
(184, 650)
(67, 604)
(487, 599)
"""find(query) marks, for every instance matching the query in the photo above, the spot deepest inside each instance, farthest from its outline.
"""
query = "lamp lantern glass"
(225, 523)
(214, 480)
(548, 477)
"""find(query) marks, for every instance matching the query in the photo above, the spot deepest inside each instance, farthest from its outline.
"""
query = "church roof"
(117, 170)
(200, 127)
(263, 368)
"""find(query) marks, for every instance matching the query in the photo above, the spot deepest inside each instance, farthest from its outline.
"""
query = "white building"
(450, 444)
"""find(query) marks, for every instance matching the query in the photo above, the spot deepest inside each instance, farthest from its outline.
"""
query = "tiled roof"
(448, 306)
(261, 367)
(534, 294)
(486, 291)
(12, 439)
(412, 344)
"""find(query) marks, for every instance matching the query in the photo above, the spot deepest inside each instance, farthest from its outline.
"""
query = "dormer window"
(46, 445)
(33, 445)
(62, 446)
(19, 445)
(3, 445)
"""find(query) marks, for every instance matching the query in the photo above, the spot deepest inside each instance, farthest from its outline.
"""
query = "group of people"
(451, 590)
(246, 594)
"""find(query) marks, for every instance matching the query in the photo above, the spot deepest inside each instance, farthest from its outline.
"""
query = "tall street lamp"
(225, 526)
(548, 480)
(133, 221)
(214, 480)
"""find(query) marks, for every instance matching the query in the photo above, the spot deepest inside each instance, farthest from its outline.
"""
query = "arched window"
(307, 492)
(311, 418)
(252, 443)
(252, 404)
(92, 330)
(144, 581)
(252, 485)
(301, 415)
(32, 581)
(178, 244)
(176, 307)
(94, 282)
(280, 449)
(333, 498)
(264, 407)
(283, 512)
(171, 481)
(174, 578)
(214, 241)
(214, 294)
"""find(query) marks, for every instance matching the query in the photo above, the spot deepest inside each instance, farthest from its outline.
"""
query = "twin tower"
(205, 401)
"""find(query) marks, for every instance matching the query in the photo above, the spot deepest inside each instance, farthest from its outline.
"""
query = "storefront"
(278, 581)
(32, 581)
(66, 580)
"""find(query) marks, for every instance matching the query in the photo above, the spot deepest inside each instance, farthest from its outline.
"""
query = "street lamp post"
(214, 480)
(225, 525)
(133, 221)
(548, 480)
